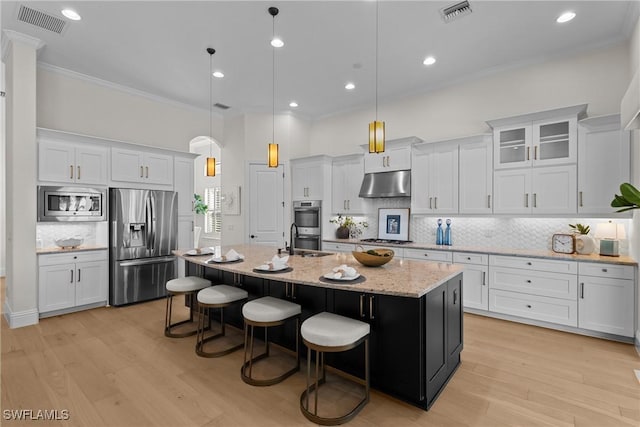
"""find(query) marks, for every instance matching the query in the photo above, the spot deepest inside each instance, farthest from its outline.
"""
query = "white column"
(21, 299)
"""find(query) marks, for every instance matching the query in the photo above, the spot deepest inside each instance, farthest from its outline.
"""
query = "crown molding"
(116, 86)
(10, 35)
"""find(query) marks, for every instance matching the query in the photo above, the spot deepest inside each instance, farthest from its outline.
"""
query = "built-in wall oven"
(307, 216)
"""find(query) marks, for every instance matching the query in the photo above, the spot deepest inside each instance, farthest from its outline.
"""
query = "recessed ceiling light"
(429, 60)
(71, 14)
(349, 86)
(276, 42)
(566, 17)
(218, 74)
(293, 104)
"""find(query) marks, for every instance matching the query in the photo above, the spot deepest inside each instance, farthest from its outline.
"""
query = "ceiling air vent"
(221, 106)
(41, 19)
(455, 11)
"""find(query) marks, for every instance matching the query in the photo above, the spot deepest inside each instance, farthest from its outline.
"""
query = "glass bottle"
(439, 234)
(447, 234)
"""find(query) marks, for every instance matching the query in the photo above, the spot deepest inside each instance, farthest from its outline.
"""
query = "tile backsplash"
(93, 233)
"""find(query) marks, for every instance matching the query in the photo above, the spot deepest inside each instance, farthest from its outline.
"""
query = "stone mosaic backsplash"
(93, 233)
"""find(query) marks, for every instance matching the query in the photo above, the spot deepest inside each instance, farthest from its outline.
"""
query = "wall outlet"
(488, 233)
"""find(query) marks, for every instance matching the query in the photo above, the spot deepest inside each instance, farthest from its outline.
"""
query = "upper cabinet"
(603, 163)
(540, 139)
(311, 178)
(141, 166)
(396, 156)
(346, 178)
(434, 178)
(475, 160)
(72, 163)
(183, 184)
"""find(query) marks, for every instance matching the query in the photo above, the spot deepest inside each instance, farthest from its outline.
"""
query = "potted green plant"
(584, 243)
(629, 198)
(347, 227)
(200, 208)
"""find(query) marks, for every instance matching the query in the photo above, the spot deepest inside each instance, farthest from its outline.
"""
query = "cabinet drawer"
(606, 270)
(338, 247)
(535, 307)
(426, 255)
(72, 257)
(538, 264)
(542, 283)
(470, 258)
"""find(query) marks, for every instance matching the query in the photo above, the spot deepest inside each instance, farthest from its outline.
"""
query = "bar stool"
(266, 312)
(219, 296)
(182, 286)
(331, 333)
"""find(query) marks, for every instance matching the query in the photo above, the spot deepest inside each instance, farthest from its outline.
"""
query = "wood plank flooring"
(114, 367)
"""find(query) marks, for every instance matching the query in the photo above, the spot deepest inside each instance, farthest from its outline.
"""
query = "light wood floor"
(114, 367)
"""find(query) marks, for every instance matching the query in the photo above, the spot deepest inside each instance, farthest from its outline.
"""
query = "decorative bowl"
(381, 257)
(69, 242)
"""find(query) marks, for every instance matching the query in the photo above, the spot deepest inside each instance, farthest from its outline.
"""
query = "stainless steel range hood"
(386, 184)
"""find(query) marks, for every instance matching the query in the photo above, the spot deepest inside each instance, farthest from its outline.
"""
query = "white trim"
(637, 343)
(20, 318)
(10, 35)
(116, 86)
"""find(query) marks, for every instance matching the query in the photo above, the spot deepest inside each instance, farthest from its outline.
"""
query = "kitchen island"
(414, 309)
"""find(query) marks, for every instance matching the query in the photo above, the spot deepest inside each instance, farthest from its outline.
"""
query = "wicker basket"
(383, 257)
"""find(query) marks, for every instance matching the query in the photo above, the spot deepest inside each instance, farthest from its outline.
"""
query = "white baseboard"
(20, 318)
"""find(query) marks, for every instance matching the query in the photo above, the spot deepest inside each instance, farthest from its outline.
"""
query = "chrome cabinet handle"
(371, 317)
(528, 152)
(535, 200)
(71, 173)
(349, 204)
(78, 275)
(141, 171)
(435, 202)
(528, 305)
(430, 204)
(535, 152)
(388, 160)
(484, 278)
(71, 280)
(361, 305)
(582, 290)
(455, 296)
(78, 172)
(580, 198)
(604, 270)
(526, 200)
(147, 169)
(293, 291)
(489, 201)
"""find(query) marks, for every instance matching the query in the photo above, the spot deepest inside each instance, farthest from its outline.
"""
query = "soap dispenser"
(439, 234)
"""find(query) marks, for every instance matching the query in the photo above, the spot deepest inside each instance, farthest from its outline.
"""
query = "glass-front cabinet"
(513, 147)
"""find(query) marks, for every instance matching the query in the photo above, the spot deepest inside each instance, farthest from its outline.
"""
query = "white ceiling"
(159, 47)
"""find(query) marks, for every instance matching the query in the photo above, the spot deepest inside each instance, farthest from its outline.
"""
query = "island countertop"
(398, 277)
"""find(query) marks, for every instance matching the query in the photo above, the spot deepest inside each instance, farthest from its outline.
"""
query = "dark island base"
(415, 342)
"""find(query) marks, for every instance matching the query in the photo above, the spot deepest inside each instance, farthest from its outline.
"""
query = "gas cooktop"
(395, 242)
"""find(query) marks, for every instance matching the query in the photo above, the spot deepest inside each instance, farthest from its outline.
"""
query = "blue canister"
(439, 233)
(447, 234)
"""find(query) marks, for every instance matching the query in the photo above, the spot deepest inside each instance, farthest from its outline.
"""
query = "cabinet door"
(158, 168)
(315, 181)
(476, 178)
(443, 179)
(126, 165)
(56, 287)
(512, 147)
(91, 165)
(454, 322)
(339, 187)
(421, 199)
(603, 164)
(91, 282)
(183, 185)
(375, 162)
(354, 172)
(554, 190)
(298, 181)
(554, 142)
(476, 288)
(56, 162)
(398, 158)
(436, 341)
(512, 191)
(353, 305)
(606, 305)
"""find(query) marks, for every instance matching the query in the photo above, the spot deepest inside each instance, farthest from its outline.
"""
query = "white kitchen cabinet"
(428, 255)
(434, 178)
(549, 190)
(72, 281)
(183, 184)
(310, 178)
(475, 279)
(606, 298)
(72, 163)
(475, 185)
(141, 167)
(603, 163)
(394, 158)
(346, 179)
(338, 247)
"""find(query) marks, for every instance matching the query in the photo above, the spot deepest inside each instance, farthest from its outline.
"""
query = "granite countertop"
(58, 250)
(532, 253)
(398, 277)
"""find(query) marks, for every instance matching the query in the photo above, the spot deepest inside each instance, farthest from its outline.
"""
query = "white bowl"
(69, 243)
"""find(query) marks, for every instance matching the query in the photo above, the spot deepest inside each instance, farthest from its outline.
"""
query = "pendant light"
(376, 128)
(272, 151)
(211, 161)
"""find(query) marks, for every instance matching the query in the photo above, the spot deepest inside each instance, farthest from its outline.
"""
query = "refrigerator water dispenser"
(137, 235)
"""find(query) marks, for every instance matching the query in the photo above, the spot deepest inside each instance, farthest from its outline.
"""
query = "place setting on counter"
(229, 257)
(343, 274)
(277, 264)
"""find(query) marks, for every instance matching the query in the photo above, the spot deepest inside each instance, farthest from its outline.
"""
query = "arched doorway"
(209, 188)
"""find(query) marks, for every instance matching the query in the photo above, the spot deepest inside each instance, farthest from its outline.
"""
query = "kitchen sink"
(310, 254)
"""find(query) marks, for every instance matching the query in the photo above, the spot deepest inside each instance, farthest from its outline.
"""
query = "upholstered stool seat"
(331, 333)
(218, 296)
(182, 286)
(265, 312)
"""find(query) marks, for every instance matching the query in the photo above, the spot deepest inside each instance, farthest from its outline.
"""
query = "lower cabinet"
(338, 247)
(476, 275)
(606, 298)
(72, 281)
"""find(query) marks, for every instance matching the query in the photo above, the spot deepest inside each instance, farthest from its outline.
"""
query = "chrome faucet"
(291, 237)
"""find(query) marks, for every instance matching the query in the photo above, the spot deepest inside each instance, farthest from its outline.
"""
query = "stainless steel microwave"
(71, 204)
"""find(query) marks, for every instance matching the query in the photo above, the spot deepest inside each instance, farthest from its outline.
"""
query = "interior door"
(266, 205)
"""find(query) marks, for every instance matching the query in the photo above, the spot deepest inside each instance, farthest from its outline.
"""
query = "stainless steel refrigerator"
(143, 229)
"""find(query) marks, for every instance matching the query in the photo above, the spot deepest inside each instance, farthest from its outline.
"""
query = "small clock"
(563, 243)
